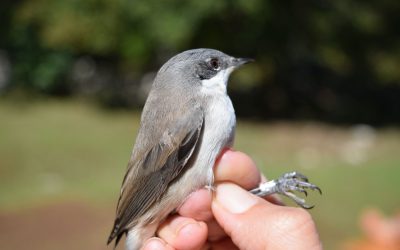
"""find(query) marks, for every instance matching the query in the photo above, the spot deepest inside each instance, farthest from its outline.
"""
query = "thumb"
(253, 223)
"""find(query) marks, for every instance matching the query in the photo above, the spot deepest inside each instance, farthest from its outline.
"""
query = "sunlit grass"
(55, 150)
(52, 149)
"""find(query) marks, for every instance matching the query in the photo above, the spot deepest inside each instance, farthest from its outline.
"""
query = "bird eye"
(214, 63)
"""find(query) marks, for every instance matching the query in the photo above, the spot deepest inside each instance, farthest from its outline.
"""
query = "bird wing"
(148, 177)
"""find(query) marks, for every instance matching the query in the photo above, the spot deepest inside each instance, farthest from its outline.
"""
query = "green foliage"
(346, 50)
(37, 67)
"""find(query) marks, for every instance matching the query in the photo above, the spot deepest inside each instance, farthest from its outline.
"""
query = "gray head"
(201, 66)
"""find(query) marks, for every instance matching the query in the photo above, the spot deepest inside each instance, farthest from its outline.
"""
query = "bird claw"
(285, 185)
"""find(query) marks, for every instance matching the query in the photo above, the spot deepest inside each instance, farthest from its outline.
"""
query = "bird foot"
(285, 185)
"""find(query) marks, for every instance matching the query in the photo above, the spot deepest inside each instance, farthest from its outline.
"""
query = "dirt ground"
(62, 226)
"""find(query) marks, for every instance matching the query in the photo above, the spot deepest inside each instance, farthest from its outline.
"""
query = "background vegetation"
(323, 97)
(334, 61)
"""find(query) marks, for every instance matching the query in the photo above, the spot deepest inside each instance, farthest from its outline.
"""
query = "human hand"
(233, 218)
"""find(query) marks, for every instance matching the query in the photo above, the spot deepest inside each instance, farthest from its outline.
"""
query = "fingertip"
(183, 233)
(186, 236)
(197, 206)
(277, 227)
(234, 198)
(156, 244)
(237, 167)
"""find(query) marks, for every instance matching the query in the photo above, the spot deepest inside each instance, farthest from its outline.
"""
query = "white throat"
(218, 82)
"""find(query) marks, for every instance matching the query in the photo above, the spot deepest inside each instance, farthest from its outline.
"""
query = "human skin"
(232, 218)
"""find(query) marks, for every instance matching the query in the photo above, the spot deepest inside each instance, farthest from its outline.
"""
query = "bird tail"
(115, 233)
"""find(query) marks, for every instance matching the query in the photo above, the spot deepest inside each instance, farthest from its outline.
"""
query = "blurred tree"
(329, 60)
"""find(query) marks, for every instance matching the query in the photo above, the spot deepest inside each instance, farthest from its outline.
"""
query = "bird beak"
(237, 62)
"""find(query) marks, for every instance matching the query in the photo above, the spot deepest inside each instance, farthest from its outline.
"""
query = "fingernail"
(188, 229)
(234, 199)
(154, 244)
(178, 223)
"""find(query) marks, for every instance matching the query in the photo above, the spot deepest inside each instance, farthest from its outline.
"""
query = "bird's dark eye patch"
(214, 63)
(208, 68)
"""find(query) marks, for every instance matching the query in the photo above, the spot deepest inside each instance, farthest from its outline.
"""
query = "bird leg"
(285, 185)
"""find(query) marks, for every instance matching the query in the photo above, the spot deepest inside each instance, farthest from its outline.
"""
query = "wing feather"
(161, 165)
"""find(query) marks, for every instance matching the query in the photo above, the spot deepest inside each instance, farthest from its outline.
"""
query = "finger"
(155, 243)
(231, 166)
(237, 167)
(197, 206)
(183, 233)
(241, 214)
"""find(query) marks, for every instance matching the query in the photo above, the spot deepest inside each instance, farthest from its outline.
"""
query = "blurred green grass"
(54, 150)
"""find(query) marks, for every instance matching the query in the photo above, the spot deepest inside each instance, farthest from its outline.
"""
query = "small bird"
(187, 120)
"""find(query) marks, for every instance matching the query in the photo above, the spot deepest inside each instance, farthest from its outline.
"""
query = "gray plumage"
(187, 120)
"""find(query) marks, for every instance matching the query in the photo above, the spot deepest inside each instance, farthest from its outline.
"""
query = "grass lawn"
(52, 151)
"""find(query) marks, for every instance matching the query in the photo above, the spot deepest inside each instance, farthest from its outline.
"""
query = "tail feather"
(117, 239)
(115, 233)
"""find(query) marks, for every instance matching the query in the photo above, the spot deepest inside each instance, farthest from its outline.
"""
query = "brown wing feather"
(161, 165)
